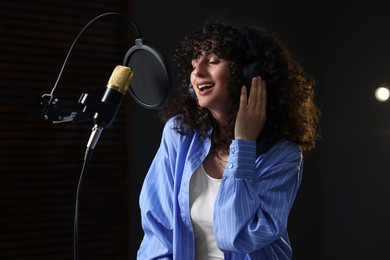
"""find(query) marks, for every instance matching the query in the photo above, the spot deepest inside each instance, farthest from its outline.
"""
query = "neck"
(222, 154)
(219, 117)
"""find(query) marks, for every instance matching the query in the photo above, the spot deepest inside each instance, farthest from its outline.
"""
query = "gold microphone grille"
(120, 79)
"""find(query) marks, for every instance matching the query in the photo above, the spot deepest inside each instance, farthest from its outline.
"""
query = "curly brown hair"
(291, 111)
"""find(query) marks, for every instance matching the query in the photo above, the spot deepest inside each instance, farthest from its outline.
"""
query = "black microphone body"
(111, 101)
(117, 86)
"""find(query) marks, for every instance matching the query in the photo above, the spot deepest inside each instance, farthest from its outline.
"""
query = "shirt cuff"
(242, 156)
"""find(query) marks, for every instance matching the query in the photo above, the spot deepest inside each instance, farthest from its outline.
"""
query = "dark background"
(342, 208)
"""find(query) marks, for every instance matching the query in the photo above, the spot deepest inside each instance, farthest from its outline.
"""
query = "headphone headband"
(254, 67)
(251, 43)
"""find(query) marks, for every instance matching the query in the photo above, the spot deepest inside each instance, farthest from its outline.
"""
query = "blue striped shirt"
(251, 209)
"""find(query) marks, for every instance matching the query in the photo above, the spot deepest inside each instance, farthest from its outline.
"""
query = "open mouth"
(203, 87)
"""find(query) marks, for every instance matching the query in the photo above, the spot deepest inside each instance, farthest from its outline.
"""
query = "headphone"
(251, 69)
(254, 67)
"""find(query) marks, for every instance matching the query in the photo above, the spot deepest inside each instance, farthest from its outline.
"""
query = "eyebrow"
(204, 53)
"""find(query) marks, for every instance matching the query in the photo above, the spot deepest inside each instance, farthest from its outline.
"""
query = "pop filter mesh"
(151, 84)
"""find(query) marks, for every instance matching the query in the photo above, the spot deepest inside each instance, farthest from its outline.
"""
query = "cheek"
(224, 79)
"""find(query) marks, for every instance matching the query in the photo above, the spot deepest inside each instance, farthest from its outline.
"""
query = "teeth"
(203, 86)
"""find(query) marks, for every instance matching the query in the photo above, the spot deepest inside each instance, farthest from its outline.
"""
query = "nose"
(200, 68)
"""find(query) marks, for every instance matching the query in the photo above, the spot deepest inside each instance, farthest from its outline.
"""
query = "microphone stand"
(92, 106)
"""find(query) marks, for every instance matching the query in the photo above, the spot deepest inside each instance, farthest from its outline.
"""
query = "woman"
(229, 165)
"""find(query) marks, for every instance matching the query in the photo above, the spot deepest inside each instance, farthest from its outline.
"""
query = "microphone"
(117, 86)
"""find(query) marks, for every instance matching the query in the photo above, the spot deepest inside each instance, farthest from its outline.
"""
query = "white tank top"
(203, 190)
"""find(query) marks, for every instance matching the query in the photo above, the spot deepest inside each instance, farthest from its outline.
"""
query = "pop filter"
(151, 84)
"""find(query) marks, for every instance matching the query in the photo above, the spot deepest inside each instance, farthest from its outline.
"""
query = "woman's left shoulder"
(288, 146)
(284, 150)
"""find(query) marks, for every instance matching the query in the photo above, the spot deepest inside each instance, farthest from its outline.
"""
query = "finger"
(252, 101)
(262, 97)
(259, 94)
(252, 92)
(243, 97)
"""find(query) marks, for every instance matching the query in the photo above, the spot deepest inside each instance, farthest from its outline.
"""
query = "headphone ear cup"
(191, 91)
(253, 69)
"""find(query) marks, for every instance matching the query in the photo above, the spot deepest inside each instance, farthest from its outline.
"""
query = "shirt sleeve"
(156, 204)
(256, 195)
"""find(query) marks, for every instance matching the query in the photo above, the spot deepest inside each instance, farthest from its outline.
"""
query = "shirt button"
(232, 150)
(230, 165)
